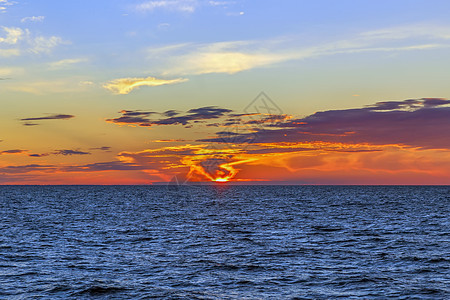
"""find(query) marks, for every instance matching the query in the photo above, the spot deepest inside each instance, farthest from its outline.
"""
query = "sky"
(245, 92)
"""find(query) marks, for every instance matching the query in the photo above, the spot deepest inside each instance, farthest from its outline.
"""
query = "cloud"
(386, 142)
(103, 166)
(223, 57)
(39, 154)
(104, 148)
(33, 19)
(325, 141)
(236, 56)
(126, 85)
(427, 31)
(4, 5)
(422, 123)
(27, 169)
(186, 6)
(66, 152)
(64, 63)
(50, 117)
(142, 118)
(42, 44)
(221, 3)
(14, 151)
(94, 167)
(13, 35)
(17, 41)
(197, 162)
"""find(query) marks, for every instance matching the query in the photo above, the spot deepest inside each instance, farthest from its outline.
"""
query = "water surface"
(224, 242)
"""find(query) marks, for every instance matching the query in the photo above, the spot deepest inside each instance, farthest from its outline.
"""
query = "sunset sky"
(259, 92)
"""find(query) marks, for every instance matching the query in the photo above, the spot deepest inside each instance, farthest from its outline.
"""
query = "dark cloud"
(66, 152)
(410, 104)
(94, 167)
(209, 111)
(104, 166)
(104, 148)
(70, 152)
(171, 113)
(142, 119)
(30, 124)
(197, 114)
(136, 117)
(51, 117)
(28, 169)
(421, 123)
(13, 151)
(38, 155)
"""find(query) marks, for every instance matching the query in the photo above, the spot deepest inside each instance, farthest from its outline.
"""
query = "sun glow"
(221, 180)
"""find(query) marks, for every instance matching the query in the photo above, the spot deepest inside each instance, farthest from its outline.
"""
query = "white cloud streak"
(236, 56)
(187, 6)
(33, 19)
(124, 86)
(66, 63)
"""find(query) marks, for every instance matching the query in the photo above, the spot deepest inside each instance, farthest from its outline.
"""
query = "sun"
(221, 180)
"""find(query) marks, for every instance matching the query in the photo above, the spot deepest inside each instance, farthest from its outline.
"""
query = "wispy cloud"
(221, 3)
(44, 118)
(64, 63)
(33, 19)
(4, 5)
(42, 44)
(187, 6)
(236, 56)
(12, 35)
(124, 86)
(182, 6)
(16, 41)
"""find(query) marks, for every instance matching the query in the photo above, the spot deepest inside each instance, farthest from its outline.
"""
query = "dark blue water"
(239, 242)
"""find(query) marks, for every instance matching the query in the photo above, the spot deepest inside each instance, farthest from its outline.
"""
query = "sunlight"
(221, 180)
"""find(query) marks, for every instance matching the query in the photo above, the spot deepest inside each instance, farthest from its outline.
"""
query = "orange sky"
(397, 142)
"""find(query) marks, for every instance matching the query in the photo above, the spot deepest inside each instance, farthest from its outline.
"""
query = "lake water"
(224, 242)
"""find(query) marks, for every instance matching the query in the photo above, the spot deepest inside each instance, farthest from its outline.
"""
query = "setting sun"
(221, 180)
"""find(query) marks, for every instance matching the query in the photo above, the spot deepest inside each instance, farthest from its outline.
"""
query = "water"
(224, 242)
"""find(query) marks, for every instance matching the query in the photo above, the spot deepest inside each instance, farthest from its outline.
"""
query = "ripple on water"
(227, 242)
